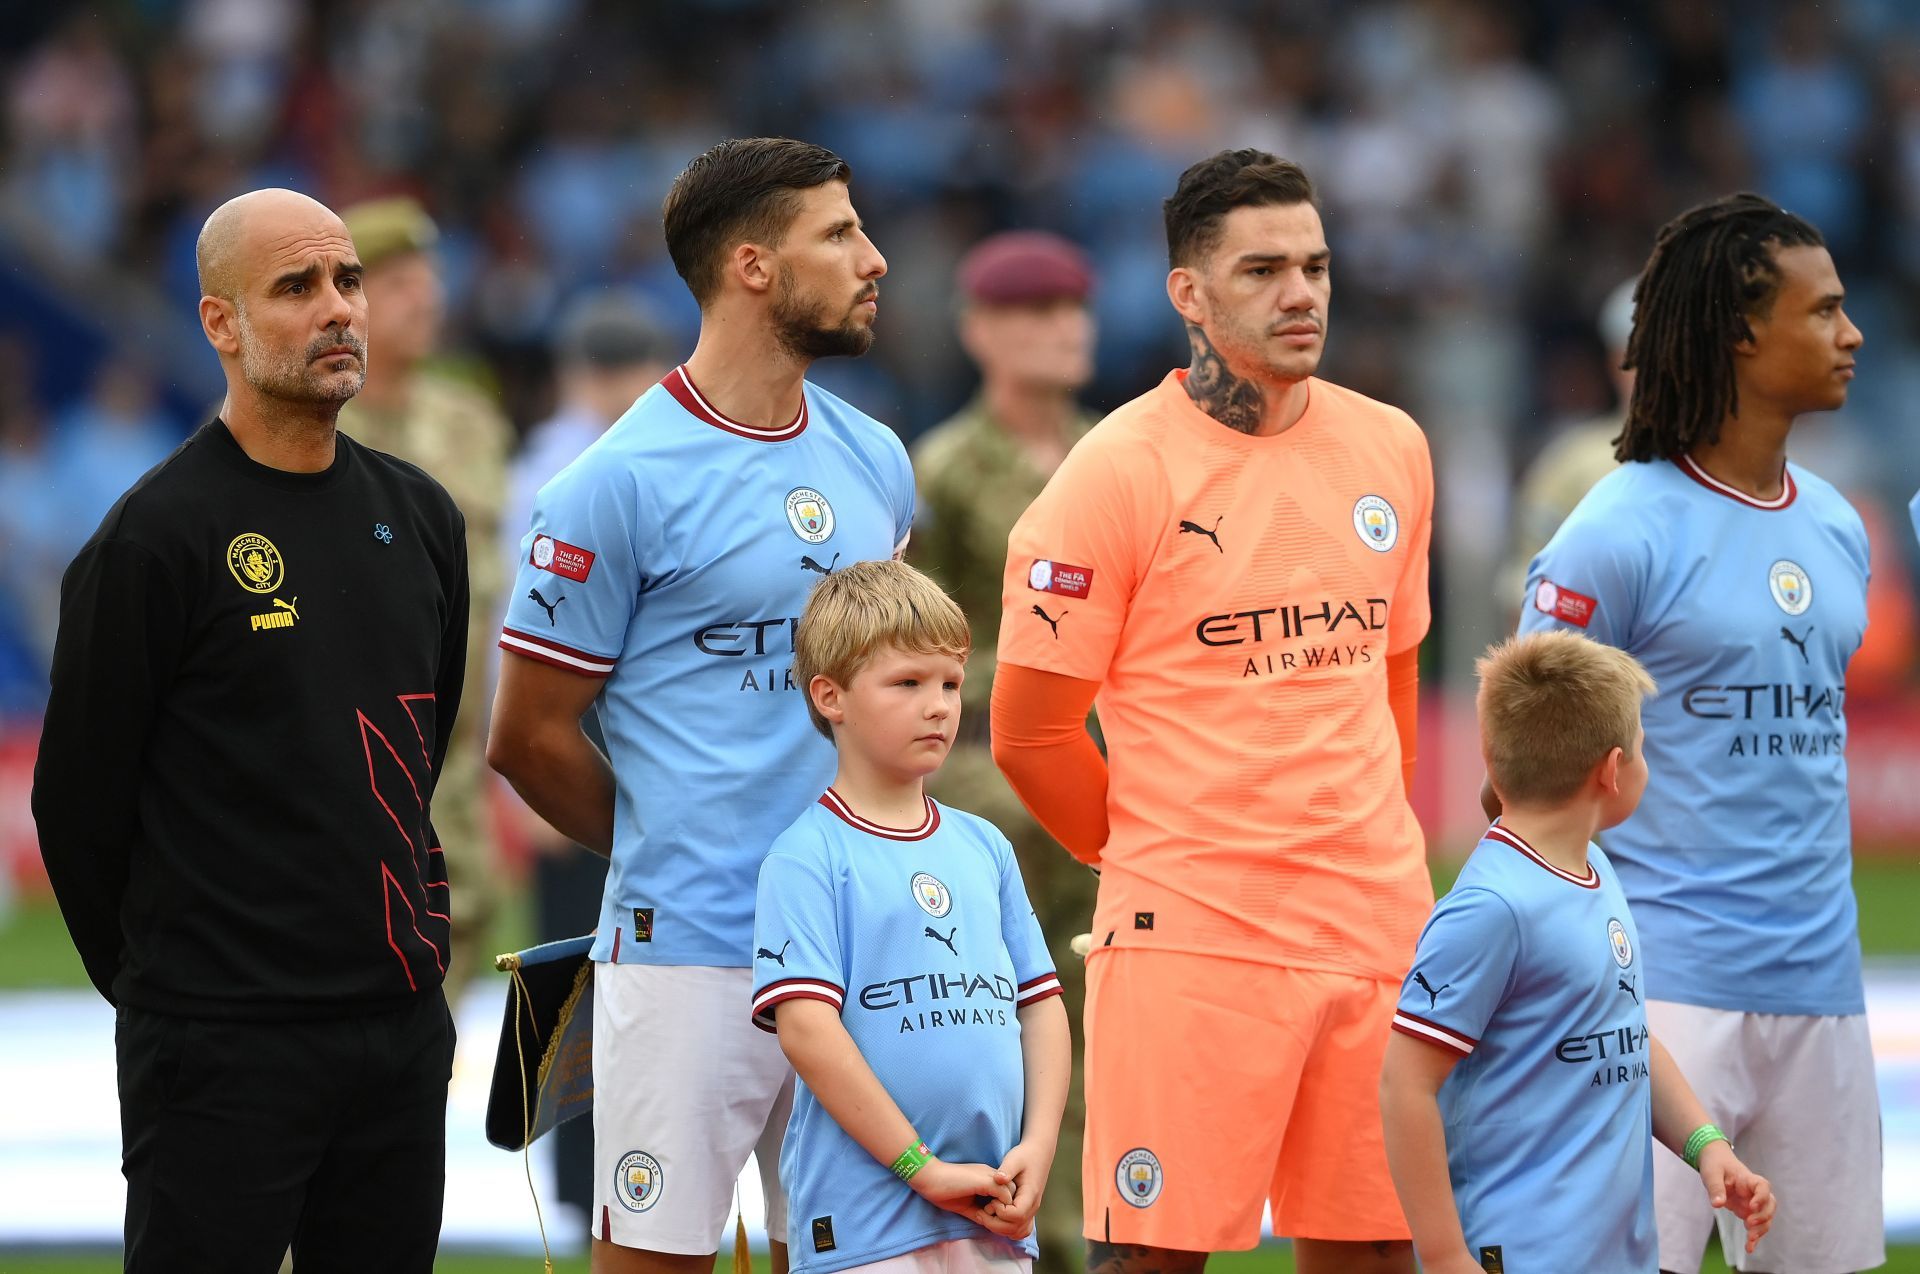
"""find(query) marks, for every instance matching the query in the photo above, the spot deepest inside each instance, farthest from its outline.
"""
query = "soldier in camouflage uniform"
(1025, 324)
(462, 438)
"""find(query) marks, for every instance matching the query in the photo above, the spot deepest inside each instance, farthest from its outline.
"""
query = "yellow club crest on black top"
(255, 563)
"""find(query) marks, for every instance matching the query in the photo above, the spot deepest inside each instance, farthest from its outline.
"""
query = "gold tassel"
(742, 1258)
(511, 966)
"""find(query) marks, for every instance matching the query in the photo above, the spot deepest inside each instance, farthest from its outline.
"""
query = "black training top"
(254, 683)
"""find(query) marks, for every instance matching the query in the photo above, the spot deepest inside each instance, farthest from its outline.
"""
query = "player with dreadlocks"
(1739, 580)
(1712, 269)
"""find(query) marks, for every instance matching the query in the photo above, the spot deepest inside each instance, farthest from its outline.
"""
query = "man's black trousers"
(242, 1139)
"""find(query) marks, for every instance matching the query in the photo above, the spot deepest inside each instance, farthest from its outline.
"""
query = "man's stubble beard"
(292, 377)
(798, 328)
(1215, 382)
(1248, 346)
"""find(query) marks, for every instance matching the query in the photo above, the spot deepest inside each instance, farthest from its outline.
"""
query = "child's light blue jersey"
(1739, 859)
(925, 942)
(1533, 976)
(672, 559)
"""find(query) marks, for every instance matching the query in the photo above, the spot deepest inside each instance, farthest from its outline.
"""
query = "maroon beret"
(1022, 267)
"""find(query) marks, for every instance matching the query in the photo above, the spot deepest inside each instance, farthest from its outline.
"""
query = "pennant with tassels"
(543, 1068)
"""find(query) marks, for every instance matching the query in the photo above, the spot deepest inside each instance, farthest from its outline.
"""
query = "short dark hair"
(746, 189)
(1215, 186)
(1711, 270)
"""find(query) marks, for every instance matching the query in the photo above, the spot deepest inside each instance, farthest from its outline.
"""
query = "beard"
(804, 328)
(1245, 344)
(291, 375)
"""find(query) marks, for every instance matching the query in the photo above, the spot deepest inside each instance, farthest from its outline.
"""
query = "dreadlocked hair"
(1712, 268)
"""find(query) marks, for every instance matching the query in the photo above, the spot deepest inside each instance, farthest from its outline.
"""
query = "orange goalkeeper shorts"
(1215, 1086)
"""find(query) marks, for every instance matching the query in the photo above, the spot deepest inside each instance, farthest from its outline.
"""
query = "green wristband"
(911, 1160)
(1702, 1137)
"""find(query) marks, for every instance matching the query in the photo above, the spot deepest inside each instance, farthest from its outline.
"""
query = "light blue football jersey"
(1533, 976)
(1739, 860)
(672, 559)
(926, 943)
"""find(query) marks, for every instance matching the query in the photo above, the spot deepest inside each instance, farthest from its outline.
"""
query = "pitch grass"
(35, 952)
(1273, 1259)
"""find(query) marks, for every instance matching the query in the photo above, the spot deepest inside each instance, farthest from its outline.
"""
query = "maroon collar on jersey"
(681, 386)
(1691, 467)
(835, 802)
(1589, 881)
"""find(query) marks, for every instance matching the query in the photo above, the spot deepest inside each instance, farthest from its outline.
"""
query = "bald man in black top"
(258, 665)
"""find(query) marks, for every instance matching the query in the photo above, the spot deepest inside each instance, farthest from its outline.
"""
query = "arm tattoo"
(1129, 1258)
(1233, 402)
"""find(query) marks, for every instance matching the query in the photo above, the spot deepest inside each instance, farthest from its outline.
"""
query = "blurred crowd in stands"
(1490, 172)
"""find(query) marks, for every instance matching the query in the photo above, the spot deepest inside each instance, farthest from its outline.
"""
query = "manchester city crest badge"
(809, 514)
(932, 896)
(1792, 590)
(1139, 1177)
(1375, 522)
(1622, 946)
(256, 565)
(638, 1181)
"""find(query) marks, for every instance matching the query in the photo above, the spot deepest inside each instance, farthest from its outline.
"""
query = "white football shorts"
(685, 1087)
(1796, 1096)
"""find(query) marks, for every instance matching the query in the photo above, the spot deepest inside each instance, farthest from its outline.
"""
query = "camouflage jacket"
(974, 483)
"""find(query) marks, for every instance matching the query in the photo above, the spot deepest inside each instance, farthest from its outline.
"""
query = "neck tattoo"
(1234, 402)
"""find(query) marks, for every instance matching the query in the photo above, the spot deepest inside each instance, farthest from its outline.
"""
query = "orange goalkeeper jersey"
(1236, 597)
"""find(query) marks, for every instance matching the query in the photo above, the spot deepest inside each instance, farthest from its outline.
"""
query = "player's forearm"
(1676, 1110)
(85, 816)
(561, 776)
(1046, 1053)
(88, 882)
(1041, 744)
(1417, 1157)
(118, 642)
(826, 1058)
(1064, 786)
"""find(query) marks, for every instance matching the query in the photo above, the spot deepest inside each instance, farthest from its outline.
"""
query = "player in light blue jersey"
(661, 580)
(897, 955)
(1739, 580)
(1521, 1085)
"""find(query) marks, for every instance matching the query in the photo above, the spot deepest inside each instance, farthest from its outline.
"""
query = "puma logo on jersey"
(778, 957)
(1626, 984)
(1798, 643)
(1194, 528)
(947, 941)
(808, 564)
(533, 594)
(283, 615)
(1051, 621)
(1433, 992)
